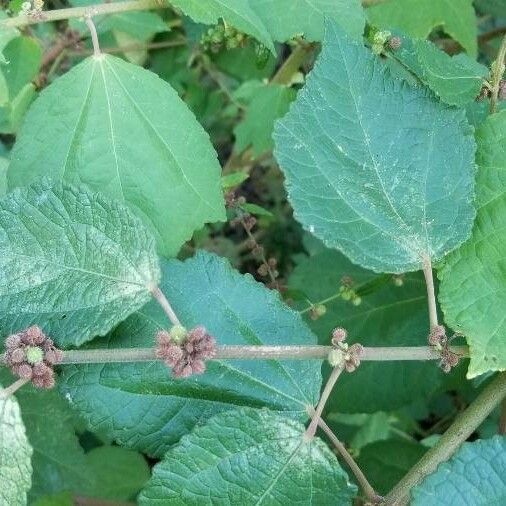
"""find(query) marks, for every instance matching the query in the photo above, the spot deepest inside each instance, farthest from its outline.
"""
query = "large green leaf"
(239, 13)
(141, 406)
(475, 476)
(286, 18)
(473, 278)
(73, 262)
(419, 17)
(126, 133)
(388, 315)
(456, 80)
(376, 168)
(248, 457)
(267, 104)
(386, 462)
(15, 455)
(278, 20)
(59, 462)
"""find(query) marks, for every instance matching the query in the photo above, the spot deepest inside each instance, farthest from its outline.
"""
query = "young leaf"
(268, 103)
(142, 406)
(388, 315)
(457, 80)
(248, 457)
(15, 455)
(475, 475)
(124, 132)
(380, 170)
(73, 262)
(419, 17)
(473, 280)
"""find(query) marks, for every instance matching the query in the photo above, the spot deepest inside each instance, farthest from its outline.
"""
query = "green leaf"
(456, 80)
(124, 132)
(59, 462)
(257, 210)
(267, 104)
(473, 279)
(386, 462)
(232, 180)
(286, 18)
(419, 17)
(373, 167)
(475, 476)
(248, 457)
(388, 315)
(61, 499)
(72, 262)
(15, 455)
(239, 13)
(119, 473)
(24, 56)
(6, 35)
(143, 407)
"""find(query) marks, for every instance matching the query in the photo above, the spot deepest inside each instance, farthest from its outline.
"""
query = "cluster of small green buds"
(343, 355)
(222, 36)
(380, 39)
(347, 292)
(317, 311)
(185, 352)
(31, 355)
(440, 341)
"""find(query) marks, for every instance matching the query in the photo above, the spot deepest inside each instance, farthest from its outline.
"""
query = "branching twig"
(334, 376)
(431, 295)
(8, 391)
(79, 12)
(253, 352)
(369, 491)
(162, 300)
(463, 426)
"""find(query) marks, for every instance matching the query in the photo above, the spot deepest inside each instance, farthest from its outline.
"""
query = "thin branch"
(8, 391)
(463, 426)
(79, 12)
(239, 352)
(162, 300)
(94, 36)
(431, 295)
(497, 73)
(368, 490)
(334, 376)
(292, 64)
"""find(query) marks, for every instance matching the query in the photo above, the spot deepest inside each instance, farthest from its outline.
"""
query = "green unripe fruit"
(320, 310)
(356, 301)
(34, 355)
(178, 334)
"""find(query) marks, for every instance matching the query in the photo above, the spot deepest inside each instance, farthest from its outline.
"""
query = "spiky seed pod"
(339, 335)
(394, 43)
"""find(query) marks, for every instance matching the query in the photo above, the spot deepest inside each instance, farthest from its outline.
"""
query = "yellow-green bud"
(34, 355)
(336, 357)
(178, 334)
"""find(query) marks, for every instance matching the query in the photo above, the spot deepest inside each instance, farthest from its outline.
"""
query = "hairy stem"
(8, 391)
(497, 73)
(79, 12)
(162, 300)
(238, 352)
(431, 294)
(94, 36)
(133, 47)
(334, 376)
(463, 426)
(369, 492)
